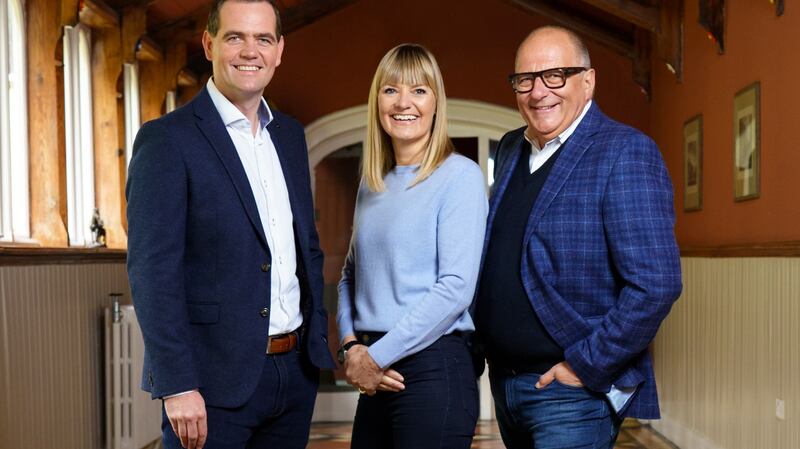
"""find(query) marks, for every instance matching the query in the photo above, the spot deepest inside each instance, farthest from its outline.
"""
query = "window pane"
(13, 126)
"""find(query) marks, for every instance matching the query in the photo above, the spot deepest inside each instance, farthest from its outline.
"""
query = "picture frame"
(693, 164)
(747, 143)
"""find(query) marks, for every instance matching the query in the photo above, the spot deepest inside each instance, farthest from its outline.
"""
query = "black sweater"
(513, 336)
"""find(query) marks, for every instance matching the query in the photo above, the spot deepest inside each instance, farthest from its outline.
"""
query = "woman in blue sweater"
(410, 274)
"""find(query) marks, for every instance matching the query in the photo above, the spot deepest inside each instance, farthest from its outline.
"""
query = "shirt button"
(264, 312)
(265, 267)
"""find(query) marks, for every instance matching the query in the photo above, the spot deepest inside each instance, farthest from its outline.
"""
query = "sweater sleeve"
(461, 223)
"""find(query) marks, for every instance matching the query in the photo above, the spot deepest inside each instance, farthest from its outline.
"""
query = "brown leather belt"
(283, 343)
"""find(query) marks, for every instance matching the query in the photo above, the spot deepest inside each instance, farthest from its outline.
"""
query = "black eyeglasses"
(552, 78)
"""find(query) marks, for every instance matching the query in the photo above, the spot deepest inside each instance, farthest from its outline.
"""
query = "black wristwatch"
(342, 352)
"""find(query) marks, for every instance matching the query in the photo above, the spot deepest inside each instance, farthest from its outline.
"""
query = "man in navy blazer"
(580, 261)
(224, 259)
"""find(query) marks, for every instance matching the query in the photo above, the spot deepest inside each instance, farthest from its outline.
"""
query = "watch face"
(340, 355)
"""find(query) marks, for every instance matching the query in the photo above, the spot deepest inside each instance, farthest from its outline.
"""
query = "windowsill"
(26, 254)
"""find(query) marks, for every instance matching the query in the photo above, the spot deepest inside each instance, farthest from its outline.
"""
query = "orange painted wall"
(759, 47)
(329, 65)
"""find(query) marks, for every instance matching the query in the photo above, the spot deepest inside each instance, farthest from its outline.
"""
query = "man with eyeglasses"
(580, 261)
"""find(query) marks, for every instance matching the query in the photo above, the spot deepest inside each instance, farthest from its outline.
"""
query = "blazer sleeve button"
(264, 312)
(265, 267)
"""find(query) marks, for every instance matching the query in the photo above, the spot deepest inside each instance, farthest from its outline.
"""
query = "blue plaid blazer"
(600, 266)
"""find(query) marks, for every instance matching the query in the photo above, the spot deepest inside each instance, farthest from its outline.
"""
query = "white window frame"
(133, 118)
(79, 133)
(14, 196)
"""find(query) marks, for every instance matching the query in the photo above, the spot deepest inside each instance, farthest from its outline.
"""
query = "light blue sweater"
(413, 260)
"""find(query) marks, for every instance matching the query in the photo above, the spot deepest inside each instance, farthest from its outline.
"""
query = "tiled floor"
(632, 436)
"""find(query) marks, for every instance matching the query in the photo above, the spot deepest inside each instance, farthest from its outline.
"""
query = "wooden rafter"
(669, 38)
(640, 15)
(642, 67)
(308, 11)
(187, 78)
(183, 29)
(581, 26)
(149, 50)
(96, 14)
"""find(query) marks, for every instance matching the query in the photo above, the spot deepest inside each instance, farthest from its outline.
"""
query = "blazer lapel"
(280, 139)
(210, 124)
(571, 154)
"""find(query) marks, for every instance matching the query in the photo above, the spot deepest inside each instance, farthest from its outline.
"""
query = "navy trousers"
(278, 415)
(557, 416)
(437, 410)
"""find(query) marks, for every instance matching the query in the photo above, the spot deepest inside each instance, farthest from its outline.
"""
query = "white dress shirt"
(540, 155)
(260, 161)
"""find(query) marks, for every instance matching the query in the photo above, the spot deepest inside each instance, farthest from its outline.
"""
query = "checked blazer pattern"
(600, 264)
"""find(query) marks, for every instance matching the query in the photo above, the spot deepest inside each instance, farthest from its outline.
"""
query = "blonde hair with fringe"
(410, 64)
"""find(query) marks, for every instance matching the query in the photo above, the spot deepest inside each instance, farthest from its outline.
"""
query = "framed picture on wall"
(746, 146)
(693, 164)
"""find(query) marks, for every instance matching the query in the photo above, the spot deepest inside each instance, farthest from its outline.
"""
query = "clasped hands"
(366, 376)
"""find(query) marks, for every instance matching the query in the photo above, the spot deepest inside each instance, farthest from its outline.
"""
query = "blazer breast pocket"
(203, 313)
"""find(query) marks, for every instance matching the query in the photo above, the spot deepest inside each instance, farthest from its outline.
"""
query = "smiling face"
(245, 50)
(406, 113)
(548, 112)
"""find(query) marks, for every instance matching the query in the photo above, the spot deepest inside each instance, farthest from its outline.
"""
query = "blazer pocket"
(203, 313)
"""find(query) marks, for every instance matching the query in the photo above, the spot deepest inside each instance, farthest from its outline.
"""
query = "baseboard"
(679, 434)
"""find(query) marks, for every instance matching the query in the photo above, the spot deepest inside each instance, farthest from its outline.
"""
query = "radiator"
(133, 420)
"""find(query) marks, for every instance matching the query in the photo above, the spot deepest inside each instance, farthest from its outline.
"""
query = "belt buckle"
(276, 338)
(273, 338)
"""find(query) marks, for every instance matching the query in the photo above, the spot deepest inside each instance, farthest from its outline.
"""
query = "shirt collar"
(561, 138)
(231, 114)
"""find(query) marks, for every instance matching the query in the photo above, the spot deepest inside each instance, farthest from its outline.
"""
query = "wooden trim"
(148, 50)
(187, 78)
(23, 255)
(134, 25)
(109, 181)
(581, 26)
(45, 107)
(640, 15)
(669, 37)
(773, 249)
(96, 14)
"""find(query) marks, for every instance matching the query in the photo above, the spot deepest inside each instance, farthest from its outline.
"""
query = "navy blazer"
(600, 264)
(198, 259)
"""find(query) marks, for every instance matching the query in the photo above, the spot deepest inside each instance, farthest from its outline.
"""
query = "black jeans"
(437, 410)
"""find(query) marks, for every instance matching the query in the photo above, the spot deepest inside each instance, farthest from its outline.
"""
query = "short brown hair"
(213, 16)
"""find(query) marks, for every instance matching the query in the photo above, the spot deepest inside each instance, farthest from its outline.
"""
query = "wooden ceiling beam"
(581, 26)
(148, 50)
(642, 66)
(187, 78)
(669, 38)
(134, 25)
(308, 11)
(642, 16)
(96, 14)
(183, 29)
